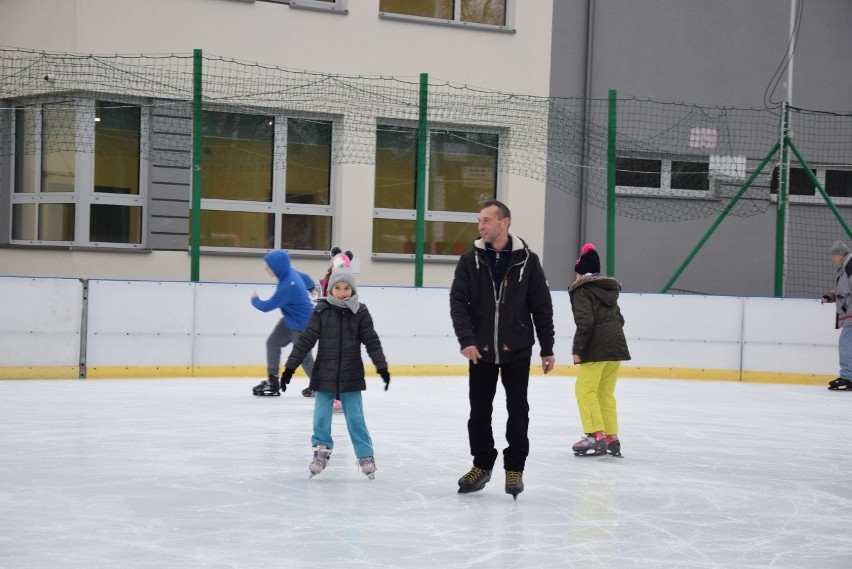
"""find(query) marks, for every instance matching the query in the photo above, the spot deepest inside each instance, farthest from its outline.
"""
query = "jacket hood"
(605, 289)
(279, 262)
(518, 244)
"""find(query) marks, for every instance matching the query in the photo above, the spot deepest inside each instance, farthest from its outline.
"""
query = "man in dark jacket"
(498, 298)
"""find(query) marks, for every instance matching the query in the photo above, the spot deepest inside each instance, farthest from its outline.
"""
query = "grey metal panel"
(173, 225)
(168, 242)
(169, 208)
(170, 189)
(170, 175)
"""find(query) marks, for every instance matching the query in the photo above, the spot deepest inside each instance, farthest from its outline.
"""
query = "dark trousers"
(482, 388)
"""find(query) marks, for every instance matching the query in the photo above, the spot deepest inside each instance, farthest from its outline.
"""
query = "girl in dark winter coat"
(341, 324)
(599, 348)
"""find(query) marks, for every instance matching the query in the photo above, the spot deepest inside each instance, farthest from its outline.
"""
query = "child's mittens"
(385, 376)
(286, 377)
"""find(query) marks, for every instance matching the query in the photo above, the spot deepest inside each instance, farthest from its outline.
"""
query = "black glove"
(285, 378)
(385, 377)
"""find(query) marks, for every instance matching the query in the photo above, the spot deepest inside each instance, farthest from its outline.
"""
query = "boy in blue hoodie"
(292, 297)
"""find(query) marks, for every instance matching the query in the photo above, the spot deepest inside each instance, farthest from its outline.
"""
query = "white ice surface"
(199, 473)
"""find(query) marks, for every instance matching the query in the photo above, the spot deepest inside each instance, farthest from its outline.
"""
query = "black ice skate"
(613, 448)
(269, 387)
(474, 480)
(840, 384)
(592, 444)
(308, 392)
(514, 483)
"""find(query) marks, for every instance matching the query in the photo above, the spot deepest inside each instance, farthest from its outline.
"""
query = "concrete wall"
(720, 53)
(109, 328)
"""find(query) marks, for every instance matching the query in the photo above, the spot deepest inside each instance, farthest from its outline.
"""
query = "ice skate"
(337, 406)
(474, 480)
(840, 384)
(613, 446)
(514, 483)
(592, 444)
(268, 387)
(367, 466)
(308, 392)
(320, 461)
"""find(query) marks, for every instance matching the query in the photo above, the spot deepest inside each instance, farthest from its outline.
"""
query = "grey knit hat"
(342, 274)
(839, 248)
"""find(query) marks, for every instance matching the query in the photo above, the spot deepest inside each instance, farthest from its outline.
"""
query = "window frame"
(437, 215)
(330, 6)
(456, 22)
(84, 196)
(665, 190)
(819, 170)
(278, 206)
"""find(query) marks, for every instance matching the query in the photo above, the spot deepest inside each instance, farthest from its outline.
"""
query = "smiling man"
(499, 303)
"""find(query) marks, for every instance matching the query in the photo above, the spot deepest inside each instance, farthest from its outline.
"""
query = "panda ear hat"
(340, 258)
(335, 251)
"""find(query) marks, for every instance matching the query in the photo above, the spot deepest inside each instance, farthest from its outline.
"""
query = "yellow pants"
(595, 389)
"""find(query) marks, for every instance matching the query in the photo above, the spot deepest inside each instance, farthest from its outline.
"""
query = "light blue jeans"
(845, 349)
(353, 412)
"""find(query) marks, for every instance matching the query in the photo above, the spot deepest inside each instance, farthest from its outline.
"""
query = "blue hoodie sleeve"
(283, 295)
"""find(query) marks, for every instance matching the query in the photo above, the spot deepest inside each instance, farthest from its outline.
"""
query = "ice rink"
(199, 473)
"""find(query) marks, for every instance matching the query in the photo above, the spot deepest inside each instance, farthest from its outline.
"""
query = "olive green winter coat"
(600, 325)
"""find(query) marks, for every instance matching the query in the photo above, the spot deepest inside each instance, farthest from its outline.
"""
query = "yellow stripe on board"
(561, 371)
(40, 372)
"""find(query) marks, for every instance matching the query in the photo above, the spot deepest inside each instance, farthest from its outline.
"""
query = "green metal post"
(722, 216)
(781, 212)
(611, 157)
(195, 218)
(819, 187)
(420, 187)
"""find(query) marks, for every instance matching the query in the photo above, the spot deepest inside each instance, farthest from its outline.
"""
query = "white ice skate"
(367, 466)
(320, 461)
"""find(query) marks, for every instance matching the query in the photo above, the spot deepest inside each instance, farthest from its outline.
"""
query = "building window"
(663, 176)
(837, 183)
(462, 172)
(492, 14)
(249, 203)
(78, 174)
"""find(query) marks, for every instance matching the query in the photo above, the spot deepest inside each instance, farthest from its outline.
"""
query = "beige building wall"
(356, 43)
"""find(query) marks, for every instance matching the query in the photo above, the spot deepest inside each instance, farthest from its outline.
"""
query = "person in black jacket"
(599, 347)
(498, 298)
(341, 324)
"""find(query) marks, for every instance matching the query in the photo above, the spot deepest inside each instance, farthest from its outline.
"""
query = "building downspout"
(587, 93)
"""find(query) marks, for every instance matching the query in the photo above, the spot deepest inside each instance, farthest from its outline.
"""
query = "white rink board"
(790, 334)
(40, 321)
(147, 323)
(413, 324)
(228, 329)
(699, 332)
(140, 323)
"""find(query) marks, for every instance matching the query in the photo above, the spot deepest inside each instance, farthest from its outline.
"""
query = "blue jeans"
(353, 412)
(845, 349)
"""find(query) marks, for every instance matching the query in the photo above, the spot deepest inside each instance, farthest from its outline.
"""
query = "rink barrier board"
(560, 372)
(113, 328)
